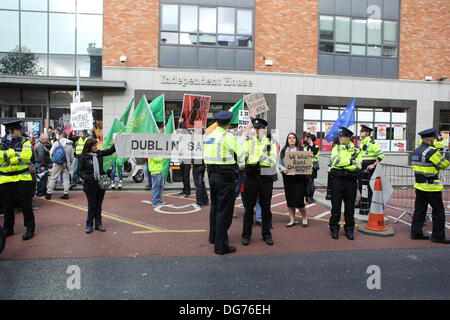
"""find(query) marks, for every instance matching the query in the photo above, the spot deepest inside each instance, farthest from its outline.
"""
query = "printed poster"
(398, 131)
(312, 127)
(384, 144)
(195, 108)
(398, 145)
(381, 131)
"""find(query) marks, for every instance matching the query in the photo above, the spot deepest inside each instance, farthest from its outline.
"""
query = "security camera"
(123, 58)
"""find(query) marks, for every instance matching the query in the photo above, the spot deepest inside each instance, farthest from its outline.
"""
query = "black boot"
(28, 234)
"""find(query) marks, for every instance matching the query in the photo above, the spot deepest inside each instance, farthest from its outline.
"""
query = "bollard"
(364, 205)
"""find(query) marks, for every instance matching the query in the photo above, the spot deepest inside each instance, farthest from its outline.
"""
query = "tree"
(16, 62)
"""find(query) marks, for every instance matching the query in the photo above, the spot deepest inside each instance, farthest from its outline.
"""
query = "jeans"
(42, 183)
(119, 173)
(75, 172)
(148, 174)
(157, 188)
(258, 211)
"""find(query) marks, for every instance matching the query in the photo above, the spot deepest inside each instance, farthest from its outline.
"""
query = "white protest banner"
(159, 145)
(299, 162)
(81, 116)
(244, 119)
(256, 103)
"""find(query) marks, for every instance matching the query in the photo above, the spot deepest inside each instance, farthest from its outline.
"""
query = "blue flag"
(346, 119)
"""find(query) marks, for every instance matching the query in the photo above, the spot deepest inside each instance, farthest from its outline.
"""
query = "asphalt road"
(404, 274)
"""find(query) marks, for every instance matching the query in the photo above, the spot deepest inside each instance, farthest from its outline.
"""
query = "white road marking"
(323, 214)
(310, 205)
(278, 204)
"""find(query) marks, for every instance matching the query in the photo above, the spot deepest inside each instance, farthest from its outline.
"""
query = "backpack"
(59, 154)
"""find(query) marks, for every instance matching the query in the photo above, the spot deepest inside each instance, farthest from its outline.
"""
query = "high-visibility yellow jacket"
(80, 145)
(439, 144)
(370, 150)
(345, 157)
(426, 162)
(315, 150)
(155, 165)
(14, 167)
(260, 151)
(221, 147)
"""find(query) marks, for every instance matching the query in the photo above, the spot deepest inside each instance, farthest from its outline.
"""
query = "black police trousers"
(221, 210)
(434, 199)
(255, 187)
(201, 195)
(343, 189)
(22, 191)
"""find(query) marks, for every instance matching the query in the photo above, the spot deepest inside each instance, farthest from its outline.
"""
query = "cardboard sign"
(195, 108)
(299, 162)
(256, 103)
(244, 119)
(81, 116)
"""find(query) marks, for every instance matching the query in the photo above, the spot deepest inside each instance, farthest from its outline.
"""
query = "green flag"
(108, 142)
(142, 120)
(125, 115)
(158, 108)
(235, 110)
(169, 129)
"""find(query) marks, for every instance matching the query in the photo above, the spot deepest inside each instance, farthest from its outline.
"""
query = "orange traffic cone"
(375, 224)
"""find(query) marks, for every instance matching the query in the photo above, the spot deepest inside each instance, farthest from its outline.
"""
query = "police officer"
(345, 162)
(15, 178)
(222, 154)
(439, 143)
(311, 146)
(79, 145)
(372, 155)
(260, 170)
(426, 162)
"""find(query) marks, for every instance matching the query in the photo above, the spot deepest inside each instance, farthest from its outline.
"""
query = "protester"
(198, 172)
(61, 154)
(310, 186)
(42, 163)
(294, 185)
(185, 164)
(156, 168)
(90, 169)
(51, 135)
(79, 142)
(148, 175)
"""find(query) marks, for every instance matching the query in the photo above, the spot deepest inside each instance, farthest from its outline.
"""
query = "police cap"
(344, 132)
(428, 133)
(223, 116)
(366, 128)
(15, 124)
(259, 123)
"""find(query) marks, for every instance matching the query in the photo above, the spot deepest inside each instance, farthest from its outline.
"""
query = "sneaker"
(161, 203)
(119, 185)
(48, 196)
(181, 194)
(187, 195)
(113, 186)
(147, 187)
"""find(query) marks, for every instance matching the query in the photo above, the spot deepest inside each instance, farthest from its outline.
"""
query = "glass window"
(187, 38)
(390, 32)
(62, 33)
(9, 4)
(358, 31)
(326, 27)
(374, 51)
(312, 114)
(207, 39)
(389, 51)
(326, 47)
(90, 6)
(35, 96)
(169, 37)
(226, 41)
(244, 41)
(373, 31)
(342, 29)
(382, 116)
(328, 114)
(34, 32)
(244, 22)
(62, 66)
(33, 64)
(188, 18)
(60, 97)
(226, 20)
(62, 5)
(342, 48)
(37, 5)
(90, 66)
(359, 50)
(399, 115)
(365, 115)
(89, 34)
(9, 26)
(208, 20)
(9, 63)
(169, 17)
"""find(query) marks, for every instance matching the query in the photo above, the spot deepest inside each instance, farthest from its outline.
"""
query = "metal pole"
(78, 79)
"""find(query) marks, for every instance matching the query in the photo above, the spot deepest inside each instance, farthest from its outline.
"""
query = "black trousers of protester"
(434, 199)
(221, 211)
(343, 189)
(254, 186)
(185, 171)
(23, 192)
(95, 197)
(199, 180)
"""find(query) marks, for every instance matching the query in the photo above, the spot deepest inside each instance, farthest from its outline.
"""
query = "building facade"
(309, 58)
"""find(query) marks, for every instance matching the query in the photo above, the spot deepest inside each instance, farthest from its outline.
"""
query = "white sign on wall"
(81, 116)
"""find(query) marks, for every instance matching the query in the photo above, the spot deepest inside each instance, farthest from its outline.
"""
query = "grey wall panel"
(359, 8)
(342, 64)
(188, 57)
(225, 59)
(343, 7)
(375, 13)
(374, 67)
(244, 59)
(207, 58)
(326, 6)
(390, 68)
(325, 64)
(391, 9)
(358, 66)
(168, 56)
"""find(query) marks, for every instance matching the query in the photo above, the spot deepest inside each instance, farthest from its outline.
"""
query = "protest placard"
(195, 108)
(81, 116)
(244, 119)
(299, 162)
(256, 103)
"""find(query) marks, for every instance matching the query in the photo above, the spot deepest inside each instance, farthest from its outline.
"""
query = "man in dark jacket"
(42, 162)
